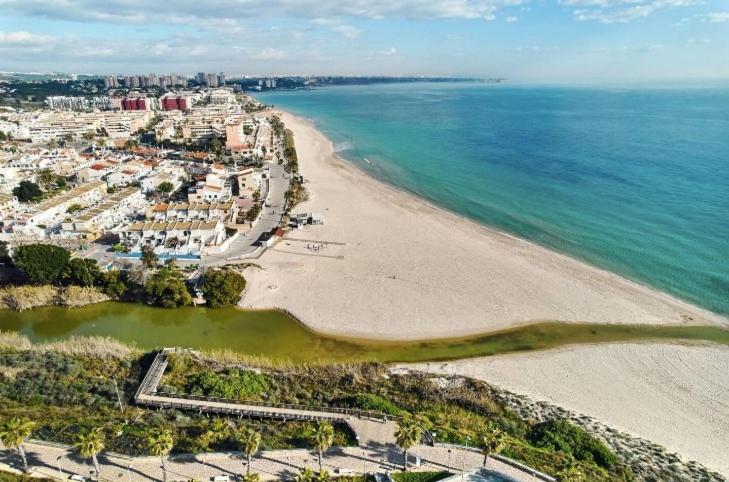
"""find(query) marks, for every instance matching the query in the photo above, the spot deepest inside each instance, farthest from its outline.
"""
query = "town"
(191, 174)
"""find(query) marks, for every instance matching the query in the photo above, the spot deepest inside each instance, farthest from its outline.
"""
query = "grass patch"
(419, 476)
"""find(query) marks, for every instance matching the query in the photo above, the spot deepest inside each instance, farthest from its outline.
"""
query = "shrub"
(167, 289)
(82, 272)
(222, 288)
(371, 401)
(233, 383)
(563, 436)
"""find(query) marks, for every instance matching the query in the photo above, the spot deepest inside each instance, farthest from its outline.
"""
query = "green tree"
(131, 144)
(89, 445)
(27, 191)
(252, 478)
(491, 440)
(216, 145)
(406, 436)
(249, 441)
(113, 284)
(165, 187)
(13, 434)
(160, 442)
(41, 263)
(81, 272)
(321, 437)
(222, 288)
(149, 257)
(45, 178)
(167, 288)
(4, 252)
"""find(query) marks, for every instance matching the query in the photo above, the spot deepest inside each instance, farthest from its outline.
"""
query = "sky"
(523, 40)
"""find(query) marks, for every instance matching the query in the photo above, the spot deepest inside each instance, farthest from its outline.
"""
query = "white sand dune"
(674, 395)
(409, 270)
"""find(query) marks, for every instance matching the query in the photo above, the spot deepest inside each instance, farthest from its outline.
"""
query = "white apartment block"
(113, 211)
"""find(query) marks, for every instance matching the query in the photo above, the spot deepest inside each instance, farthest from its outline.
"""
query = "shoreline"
(645, 389)
(331, 179)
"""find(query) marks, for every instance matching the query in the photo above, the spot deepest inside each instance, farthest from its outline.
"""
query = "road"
(243, 246)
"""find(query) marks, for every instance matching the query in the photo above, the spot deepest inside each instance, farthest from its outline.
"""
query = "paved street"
(58, 461)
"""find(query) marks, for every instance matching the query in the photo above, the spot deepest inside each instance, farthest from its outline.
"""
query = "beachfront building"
(214, 188)
(250, 180)
(173, 237)
(224, 211)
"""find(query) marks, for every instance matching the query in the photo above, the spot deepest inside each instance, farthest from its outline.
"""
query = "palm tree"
(160, 443)
(14, 433)
(407, 435)
(570, 472)
(89, 445)
(249, 441)
(252, 478)
(306, 475)
(491, 440)
(322, 437)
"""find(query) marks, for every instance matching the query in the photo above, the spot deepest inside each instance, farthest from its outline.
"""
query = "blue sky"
(529, 40)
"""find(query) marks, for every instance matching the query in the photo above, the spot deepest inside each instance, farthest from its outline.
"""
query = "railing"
(156, 370)
(503, 460)
(285, 406)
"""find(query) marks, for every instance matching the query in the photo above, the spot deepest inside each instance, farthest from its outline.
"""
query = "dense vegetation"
(68, 392)
(222, 288)
(458, 411)
(27, 191)
(165, 286)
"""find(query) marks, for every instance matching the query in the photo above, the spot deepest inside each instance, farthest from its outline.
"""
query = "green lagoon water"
(275, 335)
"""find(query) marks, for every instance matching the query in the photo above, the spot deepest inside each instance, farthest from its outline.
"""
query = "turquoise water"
(635, 180)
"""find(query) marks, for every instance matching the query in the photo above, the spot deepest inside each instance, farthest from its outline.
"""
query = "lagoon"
(278, 336)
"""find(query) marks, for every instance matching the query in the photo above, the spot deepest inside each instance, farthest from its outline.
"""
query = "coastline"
(489, 280)
(397, 276)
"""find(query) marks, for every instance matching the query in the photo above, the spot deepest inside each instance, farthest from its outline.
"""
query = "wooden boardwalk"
(369, 427)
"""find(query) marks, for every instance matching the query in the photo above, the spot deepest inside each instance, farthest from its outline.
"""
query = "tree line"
(156, 283)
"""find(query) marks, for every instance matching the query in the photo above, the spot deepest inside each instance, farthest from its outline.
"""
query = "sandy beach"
(394, 266)
(674, 395)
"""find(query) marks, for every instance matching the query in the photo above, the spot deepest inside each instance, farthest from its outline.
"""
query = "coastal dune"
(674, 395)
(387, 264)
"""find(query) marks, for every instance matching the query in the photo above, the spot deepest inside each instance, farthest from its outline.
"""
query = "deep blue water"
(633, 180)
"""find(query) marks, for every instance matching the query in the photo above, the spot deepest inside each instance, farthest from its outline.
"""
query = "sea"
(631, 179)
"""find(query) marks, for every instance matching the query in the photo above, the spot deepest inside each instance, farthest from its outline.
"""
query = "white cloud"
(138, 11)
(715, 17)
(512, 18)
(269, 54)
(23, 38)
(335, 25)
(621, 11)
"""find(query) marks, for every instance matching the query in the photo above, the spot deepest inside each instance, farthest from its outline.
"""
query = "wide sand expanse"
(674, 395)
(394, 266)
